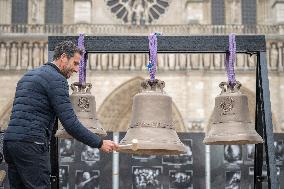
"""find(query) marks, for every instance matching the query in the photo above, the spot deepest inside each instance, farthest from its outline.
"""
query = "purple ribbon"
(152, 66)
(82, 65)
(230, 60)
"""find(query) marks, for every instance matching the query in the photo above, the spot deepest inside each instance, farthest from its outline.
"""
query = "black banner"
(231, 166)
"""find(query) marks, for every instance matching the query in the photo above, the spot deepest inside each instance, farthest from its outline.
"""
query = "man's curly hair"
(66, 47)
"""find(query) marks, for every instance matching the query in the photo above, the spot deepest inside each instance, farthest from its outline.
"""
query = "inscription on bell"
(84, 104)
(227, 105)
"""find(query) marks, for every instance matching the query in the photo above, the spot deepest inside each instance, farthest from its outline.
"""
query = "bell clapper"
(134, 145)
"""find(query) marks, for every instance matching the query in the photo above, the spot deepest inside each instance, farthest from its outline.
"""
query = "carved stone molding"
(25, 54)
(22, 55)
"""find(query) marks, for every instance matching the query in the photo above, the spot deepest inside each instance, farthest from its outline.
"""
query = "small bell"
(151, 128)
(230, 123)
(84, 105)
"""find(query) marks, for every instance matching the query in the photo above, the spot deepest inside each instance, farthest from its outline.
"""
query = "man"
(90, 154)
(41, 95)
(67, 149)
(87, 181)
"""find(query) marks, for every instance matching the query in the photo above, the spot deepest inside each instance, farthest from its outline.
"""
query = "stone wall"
(28, 54)
(191, 79)
(178, 12)
(193, 92)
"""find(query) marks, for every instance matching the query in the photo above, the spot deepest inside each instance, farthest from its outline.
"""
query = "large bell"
(230, 122)
(151, 128)
(84, 105)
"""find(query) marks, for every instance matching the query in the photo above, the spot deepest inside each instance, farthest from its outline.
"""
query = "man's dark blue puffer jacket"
(41, 95)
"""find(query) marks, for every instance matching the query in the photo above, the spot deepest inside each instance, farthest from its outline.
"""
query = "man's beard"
(67, 73)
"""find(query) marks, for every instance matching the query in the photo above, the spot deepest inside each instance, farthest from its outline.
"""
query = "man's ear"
(63, 55)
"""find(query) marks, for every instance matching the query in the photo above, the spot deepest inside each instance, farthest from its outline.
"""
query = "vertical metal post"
(207, 167)
(259, 125)
(268, 127)
(115, 164)
(54, 158)
(266, 123)
(53, 146)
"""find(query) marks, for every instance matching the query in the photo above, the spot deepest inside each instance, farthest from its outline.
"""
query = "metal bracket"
(196, 44)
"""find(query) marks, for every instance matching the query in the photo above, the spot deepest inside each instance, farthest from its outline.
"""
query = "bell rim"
(242, 142)
(235, 139)
(151, 152)
(61, 133)
(149, 147)
(159, 149)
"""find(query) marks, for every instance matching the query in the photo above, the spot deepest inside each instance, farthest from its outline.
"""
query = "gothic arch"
(251, 105)
(5, 115)
(115, 111)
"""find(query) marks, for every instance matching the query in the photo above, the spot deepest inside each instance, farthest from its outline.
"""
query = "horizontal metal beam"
(166, 44)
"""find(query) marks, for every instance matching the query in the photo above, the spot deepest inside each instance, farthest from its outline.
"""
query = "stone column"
(207, 61)
(240, 63)
(13, 55)
(277, 10)
(115, 61)
(92, 60)
(30, 47)
(281, 105)
(263, 14)
(161, 61)
(68, 11)
(126, 61)
(110, 61)
(182, 61)
(280, 56)
(24, 60)
(273, 54)
(42, 11)
(195, 108)
(218, 61)
(36, 11)
(3, 55)
(36, 55)
(276, 98)
(251, 61)
(233, 11)
(139, 61)
(19, 47)
(42, 52)
(195, 61)
(194, 12)
(132, 60)
(207, 12)
(5, 11)
(104, 61)
(45, 52)
(172, 61)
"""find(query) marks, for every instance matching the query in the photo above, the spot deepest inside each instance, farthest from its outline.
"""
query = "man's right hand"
(109, 146)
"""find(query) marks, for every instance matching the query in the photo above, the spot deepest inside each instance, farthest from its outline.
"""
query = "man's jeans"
(28, 165)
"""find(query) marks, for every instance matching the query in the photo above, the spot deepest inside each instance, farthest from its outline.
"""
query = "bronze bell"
(151, 128)
(84, 105)
(230, 122)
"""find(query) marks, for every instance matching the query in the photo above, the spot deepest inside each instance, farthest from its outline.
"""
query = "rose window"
(138, 12)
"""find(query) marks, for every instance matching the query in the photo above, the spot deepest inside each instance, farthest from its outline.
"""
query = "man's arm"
(58, 94)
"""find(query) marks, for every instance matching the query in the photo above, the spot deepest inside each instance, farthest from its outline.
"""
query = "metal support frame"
(54, 158)
(195, 44)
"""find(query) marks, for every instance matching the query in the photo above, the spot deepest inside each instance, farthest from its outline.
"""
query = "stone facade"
(191, 79)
